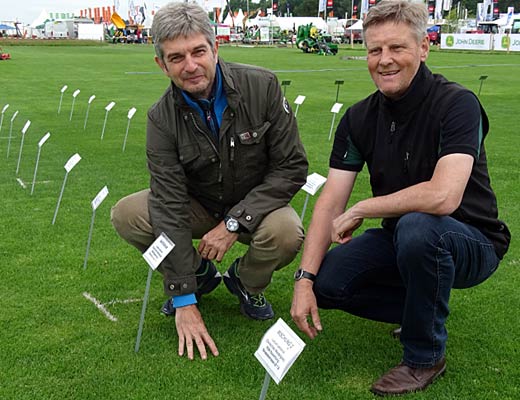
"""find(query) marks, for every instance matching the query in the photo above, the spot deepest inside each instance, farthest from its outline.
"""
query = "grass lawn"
(55, 344)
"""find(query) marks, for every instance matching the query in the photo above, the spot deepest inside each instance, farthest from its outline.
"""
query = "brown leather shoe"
(403, 379)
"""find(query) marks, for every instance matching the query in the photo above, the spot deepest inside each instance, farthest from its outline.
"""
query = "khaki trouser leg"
(131, 220)
(273, 245)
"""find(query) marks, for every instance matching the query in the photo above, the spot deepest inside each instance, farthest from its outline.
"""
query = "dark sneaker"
(254, 306)
(208, 278)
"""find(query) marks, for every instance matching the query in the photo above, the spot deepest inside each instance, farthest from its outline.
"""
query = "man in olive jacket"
(225, 159)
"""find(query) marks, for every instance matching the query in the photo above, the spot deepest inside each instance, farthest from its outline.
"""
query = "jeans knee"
(414, 231)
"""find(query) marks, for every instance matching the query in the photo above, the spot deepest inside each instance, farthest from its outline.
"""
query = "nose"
(386, 57)
(189, 64)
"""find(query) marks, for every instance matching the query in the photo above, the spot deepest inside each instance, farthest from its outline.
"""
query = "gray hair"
(180, 19)
(414, 14)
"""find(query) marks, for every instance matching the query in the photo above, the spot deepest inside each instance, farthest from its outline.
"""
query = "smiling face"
(190, 63)
(394, 56)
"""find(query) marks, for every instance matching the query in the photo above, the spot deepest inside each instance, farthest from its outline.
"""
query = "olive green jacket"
(257, 166)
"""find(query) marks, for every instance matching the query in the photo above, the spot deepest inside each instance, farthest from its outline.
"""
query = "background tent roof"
(358, 26)
(5, 27)
(40, 20)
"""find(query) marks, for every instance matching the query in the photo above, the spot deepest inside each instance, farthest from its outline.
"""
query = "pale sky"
(26, 11)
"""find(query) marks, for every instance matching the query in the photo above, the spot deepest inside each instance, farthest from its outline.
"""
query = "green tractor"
(310, 40)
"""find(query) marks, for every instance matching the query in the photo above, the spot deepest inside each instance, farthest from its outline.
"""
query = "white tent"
(40, 20)
(357, 26)
(229, 20)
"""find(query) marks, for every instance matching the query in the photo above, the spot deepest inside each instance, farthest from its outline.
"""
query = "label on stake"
(103, 193)
(279, 349)
(314, 182)
(44, 139)
(26, 126)
(110, 106)
(299, 100)
(72, 162)
(91, 99)
(5, 108)
(336, 107)
(64, 88)
(157, 252)
(131, 112)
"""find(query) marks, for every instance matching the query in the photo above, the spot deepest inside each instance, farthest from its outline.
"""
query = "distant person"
(422, 140)
(225, 159)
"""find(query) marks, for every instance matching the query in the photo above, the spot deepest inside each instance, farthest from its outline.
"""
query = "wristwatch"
(232, 224)
(300, 273)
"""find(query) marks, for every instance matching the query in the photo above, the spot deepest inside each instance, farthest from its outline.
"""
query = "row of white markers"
(279, 337)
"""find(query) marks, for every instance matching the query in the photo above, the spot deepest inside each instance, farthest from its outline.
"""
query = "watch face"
(232, 225)
(298, 274)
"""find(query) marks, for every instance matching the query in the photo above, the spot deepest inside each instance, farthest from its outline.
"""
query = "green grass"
(54, 344)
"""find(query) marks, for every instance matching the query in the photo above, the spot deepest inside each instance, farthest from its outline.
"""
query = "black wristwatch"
(300, 273)
(232, 224)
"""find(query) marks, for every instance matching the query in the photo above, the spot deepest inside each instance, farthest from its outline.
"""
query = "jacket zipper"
(212, 146)
(406, 159)
(392, 131)
(232, 151)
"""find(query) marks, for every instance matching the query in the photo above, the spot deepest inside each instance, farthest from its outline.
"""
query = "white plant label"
(336, 107)
(157, 252)
(64, 88)
(103, 193)
(314, 182)
(91, 99)
(131, 112)
(299, 100)
(110, 106)
(26, 126)
(71, 163)
(279, 349)
(44, 139)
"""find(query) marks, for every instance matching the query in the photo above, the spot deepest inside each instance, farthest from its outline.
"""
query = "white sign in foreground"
(334, 110)
(299, 101)
(314, 182)
(279, 349)
(156, 253)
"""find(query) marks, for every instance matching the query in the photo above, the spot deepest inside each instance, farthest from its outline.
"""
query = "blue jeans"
(406, 277)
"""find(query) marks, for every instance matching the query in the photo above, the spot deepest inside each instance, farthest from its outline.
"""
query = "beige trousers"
(272, 246)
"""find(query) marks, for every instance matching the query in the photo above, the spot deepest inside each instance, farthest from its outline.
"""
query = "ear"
(425, 48)
(215, 50)
(161, 64)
